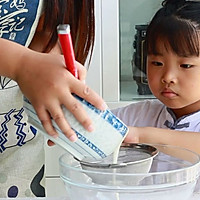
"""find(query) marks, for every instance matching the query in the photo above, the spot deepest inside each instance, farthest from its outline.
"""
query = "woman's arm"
(44, 80)
(152, 135)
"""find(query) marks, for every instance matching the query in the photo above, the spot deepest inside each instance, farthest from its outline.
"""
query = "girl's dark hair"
(79, 14)
(177, 26)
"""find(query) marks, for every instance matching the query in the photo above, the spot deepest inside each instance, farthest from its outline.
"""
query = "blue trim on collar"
(170, 125)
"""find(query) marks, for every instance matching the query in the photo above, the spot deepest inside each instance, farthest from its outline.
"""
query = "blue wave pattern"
(20, 126)
(3, 138)
(108, 116)
(90, 144)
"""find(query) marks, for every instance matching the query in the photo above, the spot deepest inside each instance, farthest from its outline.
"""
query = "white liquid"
(116, 154)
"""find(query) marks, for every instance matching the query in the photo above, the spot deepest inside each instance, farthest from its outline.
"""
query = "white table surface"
(196, 196)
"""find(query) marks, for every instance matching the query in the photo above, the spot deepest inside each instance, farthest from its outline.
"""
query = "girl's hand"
(45, 81)
(132, 136)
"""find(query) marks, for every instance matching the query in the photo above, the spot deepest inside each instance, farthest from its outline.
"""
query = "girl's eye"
(186, 65)
(155, 63)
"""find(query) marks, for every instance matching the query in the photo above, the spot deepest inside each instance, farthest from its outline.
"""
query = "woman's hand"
(45, 81)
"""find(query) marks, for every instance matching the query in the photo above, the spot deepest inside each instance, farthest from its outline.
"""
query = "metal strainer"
(132, 159)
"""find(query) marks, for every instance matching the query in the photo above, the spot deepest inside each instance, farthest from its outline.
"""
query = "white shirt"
(153, 113)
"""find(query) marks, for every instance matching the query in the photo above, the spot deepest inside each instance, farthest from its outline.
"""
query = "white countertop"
(196, 196)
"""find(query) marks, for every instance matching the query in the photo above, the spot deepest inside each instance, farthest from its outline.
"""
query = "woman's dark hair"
(177, 26)
(79, 14)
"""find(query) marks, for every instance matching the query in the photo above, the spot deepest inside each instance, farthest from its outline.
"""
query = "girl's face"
(175, 80)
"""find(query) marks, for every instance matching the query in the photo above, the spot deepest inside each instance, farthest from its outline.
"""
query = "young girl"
(39, 72)
(173, 70)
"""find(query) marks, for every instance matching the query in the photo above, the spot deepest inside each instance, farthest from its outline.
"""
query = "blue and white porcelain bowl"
(108, 134)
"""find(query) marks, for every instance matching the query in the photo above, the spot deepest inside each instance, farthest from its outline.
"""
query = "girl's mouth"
(168, 93)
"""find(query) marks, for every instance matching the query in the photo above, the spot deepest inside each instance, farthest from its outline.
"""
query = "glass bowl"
(173, 174)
